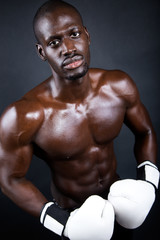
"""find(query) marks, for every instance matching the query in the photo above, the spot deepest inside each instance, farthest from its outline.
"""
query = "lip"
(72, 62)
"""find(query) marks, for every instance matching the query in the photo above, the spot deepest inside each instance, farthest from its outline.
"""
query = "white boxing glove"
(93, 220)
(133, 199)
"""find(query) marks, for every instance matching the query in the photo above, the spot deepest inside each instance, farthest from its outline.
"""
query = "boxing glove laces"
(133, 199)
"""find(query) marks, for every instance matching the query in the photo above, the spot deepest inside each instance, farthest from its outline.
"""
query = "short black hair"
(48, 7)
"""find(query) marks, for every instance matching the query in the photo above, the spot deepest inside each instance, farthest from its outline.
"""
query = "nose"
(68, 47)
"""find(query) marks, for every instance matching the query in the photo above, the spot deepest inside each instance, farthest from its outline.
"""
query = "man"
(70, 121)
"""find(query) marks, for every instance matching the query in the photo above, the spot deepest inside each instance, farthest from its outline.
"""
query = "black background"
(124, 35)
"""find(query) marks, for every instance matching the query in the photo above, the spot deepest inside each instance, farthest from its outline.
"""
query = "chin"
(79, 74)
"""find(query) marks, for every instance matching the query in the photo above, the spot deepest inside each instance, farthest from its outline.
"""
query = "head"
(62, 39)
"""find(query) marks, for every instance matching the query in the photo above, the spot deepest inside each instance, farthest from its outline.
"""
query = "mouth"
(73, 62)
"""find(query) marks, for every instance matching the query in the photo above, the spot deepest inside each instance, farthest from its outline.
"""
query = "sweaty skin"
(70, 121)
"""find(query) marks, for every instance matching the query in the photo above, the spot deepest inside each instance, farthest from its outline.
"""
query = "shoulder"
(20, 121)
(124, 86)
(119, 82)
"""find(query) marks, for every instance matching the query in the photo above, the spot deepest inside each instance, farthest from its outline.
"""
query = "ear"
(88, 35)
(40, 52)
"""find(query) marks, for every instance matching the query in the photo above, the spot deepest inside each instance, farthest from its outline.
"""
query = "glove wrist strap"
(147, 171)
(54, 218)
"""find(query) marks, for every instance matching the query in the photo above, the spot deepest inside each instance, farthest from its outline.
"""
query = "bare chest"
(72, 129)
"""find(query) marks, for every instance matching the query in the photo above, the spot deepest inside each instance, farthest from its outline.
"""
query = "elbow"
(146, 138)
(3, 189)
(146, 132)
(5, 183)
(150, 133)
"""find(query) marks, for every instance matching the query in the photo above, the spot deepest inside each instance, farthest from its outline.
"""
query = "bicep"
(137, 118)
(15, 156)
(136, 115)
(14, 162)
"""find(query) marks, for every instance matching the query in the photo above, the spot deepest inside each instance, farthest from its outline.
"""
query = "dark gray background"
(124, 35)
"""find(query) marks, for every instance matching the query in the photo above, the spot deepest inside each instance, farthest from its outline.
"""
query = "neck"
(71, 90)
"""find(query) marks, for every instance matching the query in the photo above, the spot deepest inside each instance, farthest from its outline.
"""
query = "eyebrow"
(52, 37)
(58, 36)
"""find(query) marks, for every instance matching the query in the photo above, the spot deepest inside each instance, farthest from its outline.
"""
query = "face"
(64, 43)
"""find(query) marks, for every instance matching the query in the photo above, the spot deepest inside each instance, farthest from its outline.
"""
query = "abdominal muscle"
(91, 173)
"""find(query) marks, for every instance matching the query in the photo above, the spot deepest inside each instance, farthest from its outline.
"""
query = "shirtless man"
(70, 121)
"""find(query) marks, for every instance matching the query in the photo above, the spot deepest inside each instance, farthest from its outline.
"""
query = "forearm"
(145, 147)
(24, 194)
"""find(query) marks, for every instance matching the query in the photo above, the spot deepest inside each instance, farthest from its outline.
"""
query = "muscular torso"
(74, 137)
(76, 141)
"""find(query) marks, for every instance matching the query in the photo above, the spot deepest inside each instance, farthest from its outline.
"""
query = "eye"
(75, 34)
(54, 43)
